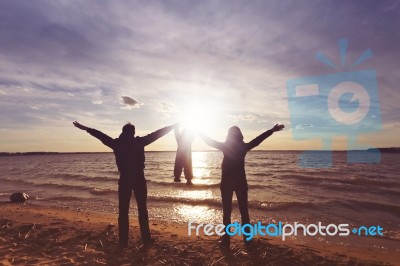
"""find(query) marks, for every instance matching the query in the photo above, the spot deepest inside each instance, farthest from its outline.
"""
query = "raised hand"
(76, 124)
(277, 127)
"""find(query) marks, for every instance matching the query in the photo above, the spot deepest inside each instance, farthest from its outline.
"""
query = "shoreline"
(36, 234)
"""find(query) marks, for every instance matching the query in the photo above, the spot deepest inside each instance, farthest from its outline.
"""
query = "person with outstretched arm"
(129, 156)
(233, 173)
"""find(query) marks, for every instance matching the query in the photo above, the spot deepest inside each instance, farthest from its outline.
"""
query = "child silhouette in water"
(233, 172)
(183, 159)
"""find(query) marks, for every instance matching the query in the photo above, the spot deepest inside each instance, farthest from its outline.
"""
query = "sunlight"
(196, 194)
(200, 166)
(195, 119)
(199, 115)
(196, 213)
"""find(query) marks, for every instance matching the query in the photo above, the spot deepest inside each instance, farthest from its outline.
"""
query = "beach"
(49, 235)
(71, 216)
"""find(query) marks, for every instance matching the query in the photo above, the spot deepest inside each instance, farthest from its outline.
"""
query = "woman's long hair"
(234, 135)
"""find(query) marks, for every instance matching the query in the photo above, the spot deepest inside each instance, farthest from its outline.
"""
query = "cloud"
(164, 107)
(245, 117)
(130, 102)
(303, 126)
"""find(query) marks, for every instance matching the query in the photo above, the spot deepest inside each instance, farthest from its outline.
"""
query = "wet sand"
(37, 235)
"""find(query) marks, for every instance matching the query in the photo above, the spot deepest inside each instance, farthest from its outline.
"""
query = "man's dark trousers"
(135, 182)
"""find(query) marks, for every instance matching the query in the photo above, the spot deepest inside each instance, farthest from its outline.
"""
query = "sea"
(280, 190)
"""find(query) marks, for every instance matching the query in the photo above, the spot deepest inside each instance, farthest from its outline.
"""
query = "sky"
(205, 64)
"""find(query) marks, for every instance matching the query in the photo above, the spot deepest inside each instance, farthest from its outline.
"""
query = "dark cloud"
(130, 102)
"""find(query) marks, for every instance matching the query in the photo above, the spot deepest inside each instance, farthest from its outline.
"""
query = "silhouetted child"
(233, 173)
(183, 159)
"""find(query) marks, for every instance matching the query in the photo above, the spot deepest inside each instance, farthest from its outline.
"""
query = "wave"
(213, 202)
(94, 184)
(341, 205)
(268, 172)
(282, 206)
(97, 191)
(358, 181)
(216, 202)
(65, 198)
(182, 184)
(107, 191)
(201, 186)
(88, 179)
(371, 206)
(64, 187)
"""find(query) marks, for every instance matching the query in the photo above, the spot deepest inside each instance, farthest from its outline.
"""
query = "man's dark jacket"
(129, 150)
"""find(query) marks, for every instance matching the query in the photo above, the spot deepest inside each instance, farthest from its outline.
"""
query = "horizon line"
(82, 152)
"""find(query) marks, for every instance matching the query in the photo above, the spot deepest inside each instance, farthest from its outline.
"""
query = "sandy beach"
(36, 235)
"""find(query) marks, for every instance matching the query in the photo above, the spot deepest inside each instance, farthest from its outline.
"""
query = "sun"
(197, 118)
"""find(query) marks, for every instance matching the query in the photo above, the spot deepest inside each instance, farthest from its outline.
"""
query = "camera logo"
(337, 104)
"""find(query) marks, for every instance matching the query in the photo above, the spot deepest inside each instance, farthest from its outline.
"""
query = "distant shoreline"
(384, 150)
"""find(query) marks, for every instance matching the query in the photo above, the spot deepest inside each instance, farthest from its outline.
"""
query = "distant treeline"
(392, 149)
(385, 150)
(42, 153)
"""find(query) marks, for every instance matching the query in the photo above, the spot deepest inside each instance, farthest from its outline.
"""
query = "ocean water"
(279, 190)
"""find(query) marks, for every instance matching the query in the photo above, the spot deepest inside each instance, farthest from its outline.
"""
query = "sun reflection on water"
(199, 214)
(201, 174)
(201, 170)
(196, 194)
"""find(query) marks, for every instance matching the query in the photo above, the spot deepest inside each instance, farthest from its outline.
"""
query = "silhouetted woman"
(233, 173)
(183, 159)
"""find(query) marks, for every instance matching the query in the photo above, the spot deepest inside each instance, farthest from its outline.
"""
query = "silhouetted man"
(129, 156)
